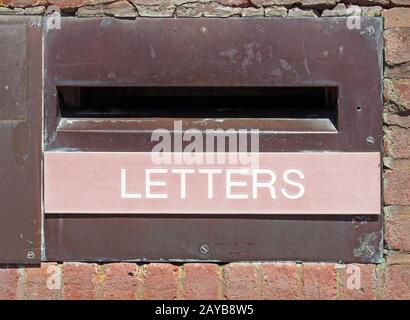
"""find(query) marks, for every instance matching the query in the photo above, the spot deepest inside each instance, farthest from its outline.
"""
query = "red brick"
(396, 188)
(279, 281)
(397, 285)
(397, 228)
(8, 283)
(241, 281)
(37, 280)
(397, 42)
(24, 3)
(397, 18)
(79, 281)
(365, 284)
(201, 281)
(120, 281)
(160, 281)
(397, 142)
(319, 281)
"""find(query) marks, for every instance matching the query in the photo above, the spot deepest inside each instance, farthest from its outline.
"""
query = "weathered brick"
(120, 281)
(166, 2)
(24, 3)
(304, 3)
(156, 11)
(397, 43)
(397, 188)
(375, 11)
(400, 2)
(339, 11)
(11, 11)
(279, 281)
(79, 281)
(8, 283)
(397, 120)
(252, 12)
(397, 228)
(91, 11)
(190, 10)
(234, 3)
(359, 282)
(39, 10)
(201, 281)
(397, 164)
(397, 142)
(397, 92)
(399, 71)
(397, 18)
(216, 10)
(276, 12)
(241, 281)
(160, 281)
(42, 282)
(120, 9)
(297, 12)
(319, 281)
(73, 4)
(397, 283)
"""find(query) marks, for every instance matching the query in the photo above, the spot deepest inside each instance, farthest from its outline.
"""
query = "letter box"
(212, 140)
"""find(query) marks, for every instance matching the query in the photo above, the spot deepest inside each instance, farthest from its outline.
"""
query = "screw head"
(370, 140)
(370, 30)
(31, 255)
(204, 248)
(370, 250)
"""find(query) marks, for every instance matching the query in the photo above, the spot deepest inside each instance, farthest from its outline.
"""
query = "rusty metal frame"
(20, 139)
(216, 52)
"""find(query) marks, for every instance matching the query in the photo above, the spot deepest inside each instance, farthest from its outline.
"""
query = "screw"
(204, 248)
(370, 140)
(31, 255)
(33, 24)
(370, 250)
(370, 30)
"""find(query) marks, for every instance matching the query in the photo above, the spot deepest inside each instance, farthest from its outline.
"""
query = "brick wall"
(389, 280)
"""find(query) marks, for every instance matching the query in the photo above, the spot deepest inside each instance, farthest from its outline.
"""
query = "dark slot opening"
(199, 102)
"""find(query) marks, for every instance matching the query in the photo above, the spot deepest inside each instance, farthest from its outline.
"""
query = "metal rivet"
(31, 255)
(370, 140)
(204, 248)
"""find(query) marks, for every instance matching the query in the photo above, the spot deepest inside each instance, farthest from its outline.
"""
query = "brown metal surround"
(20, 139)
(216, 52)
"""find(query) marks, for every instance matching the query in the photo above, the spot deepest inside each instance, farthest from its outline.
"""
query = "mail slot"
(166, 136)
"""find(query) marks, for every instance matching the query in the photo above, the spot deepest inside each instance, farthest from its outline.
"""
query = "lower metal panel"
(165, 238)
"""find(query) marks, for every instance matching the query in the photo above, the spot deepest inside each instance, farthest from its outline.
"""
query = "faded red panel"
(276, 183)
(20, 139)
